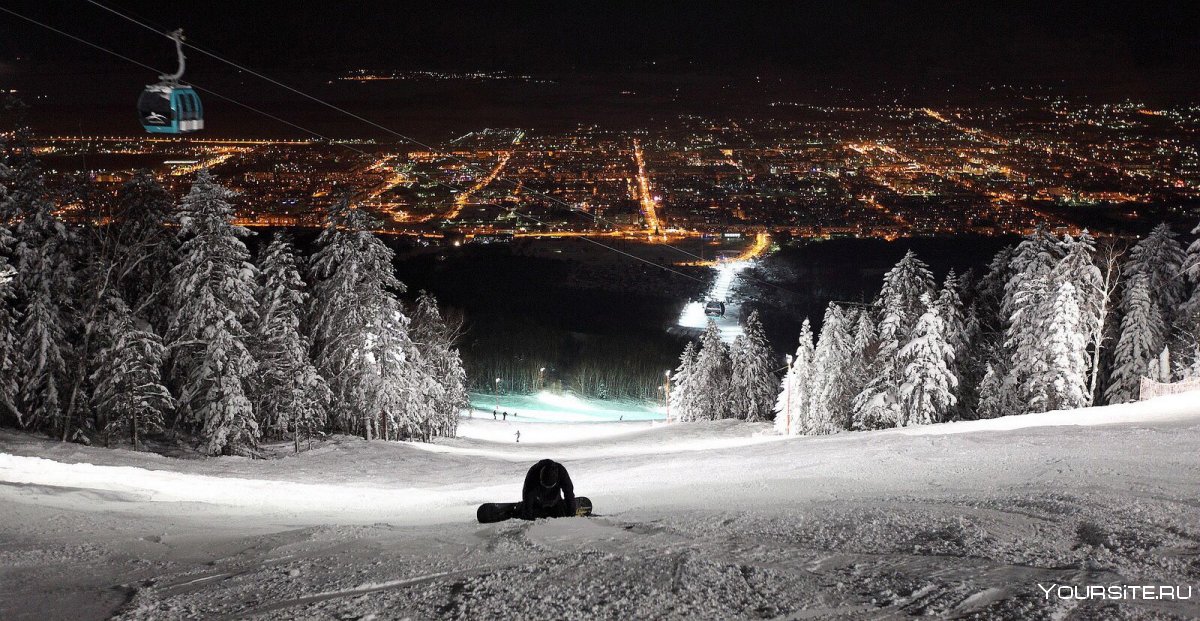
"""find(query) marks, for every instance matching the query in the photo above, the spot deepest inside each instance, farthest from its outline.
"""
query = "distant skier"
(494, 415)
(518, 435)
(548, 492)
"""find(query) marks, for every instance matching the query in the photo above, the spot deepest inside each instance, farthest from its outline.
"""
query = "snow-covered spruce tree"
(753, 385)
(360, 335)
(436, 340)
(214, 311)
(1026, 301)
(1109, 259)
(927, 390)
(829, 409)
(683, 386)
(711, 377)
(9, 317)
(898, 307)
(954, 328)
(903, 287)
(406, 393)
(143, 247)
(9, 320)
(1186, 337)
(1066, 341)
(988, 324)
(864, 343)
(45, 281)
(1078, 267)
(1160, 258)
(876, 406)
(291, 398)
(129, 393)
(1140, 342)
(793, 404)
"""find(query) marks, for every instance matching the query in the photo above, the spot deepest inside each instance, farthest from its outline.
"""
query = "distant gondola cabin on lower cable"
(170, 107)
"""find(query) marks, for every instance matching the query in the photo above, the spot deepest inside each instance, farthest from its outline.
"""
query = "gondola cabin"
(714, 308)
(170, 109)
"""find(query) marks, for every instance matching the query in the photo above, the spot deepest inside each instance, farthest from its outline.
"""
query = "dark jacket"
(535, 496)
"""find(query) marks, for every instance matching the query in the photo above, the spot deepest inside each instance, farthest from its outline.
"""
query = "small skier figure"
(548, 492)
(518, 435)
(505, 415)
(494, 415)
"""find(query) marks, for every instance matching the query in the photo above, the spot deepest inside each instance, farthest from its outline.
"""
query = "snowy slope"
(713, 520)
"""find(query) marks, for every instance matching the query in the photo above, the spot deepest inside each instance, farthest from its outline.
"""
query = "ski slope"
(709, 520)
(692, 318)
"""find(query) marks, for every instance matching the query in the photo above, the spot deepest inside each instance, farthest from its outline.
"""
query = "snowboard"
(491, 512)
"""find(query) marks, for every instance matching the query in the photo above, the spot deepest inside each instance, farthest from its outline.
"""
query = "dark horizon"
(839, 42)
(617, 66)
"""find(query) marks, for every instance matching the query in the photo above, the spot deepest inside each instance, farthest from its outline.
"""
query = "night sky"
(1132, 49)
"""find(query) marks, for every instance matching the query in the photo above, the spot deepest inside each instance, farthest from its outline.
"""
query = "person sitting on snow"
(548, 492)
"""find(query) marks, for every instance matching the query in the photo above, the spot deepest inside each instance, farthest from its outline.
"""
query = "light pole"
(667, 383)
(541, 378)
(496, 392)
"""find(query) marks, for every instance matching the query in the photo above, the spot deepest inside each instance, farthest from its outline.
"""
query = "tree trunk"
(1110, 276)
(135, 434)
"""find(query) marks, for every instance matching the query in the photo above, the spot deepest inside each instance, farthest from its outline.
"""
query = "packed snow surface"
(706, 520)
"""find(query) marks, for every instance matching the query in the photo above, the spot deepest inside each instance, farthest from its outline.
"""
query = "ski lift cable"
(468, 165)
(319, 135)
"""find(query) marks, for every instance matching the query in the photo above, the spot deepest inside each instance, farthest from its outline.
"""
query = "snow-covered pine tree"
(129, 392)
(683, 387)
(1109, 259)
(829, 410)
(793, 404)
(9, 317)
(45, 281)
(1140, 342)
(1026, 302)
(987, 324)
(903, 287)
(291, 398)
(406, 393)
(1066, 352)
(9, 320)
(143, 247)
(436, 341)
(864, 344)
(753, 385)
(926, 392)
(950, 309)
(954, 328)
(214, 310)
(711, 376)
(360, 333)
(1160, 258)
(898, 307)
(876, 406)
(1078, 267)
(1186, 337)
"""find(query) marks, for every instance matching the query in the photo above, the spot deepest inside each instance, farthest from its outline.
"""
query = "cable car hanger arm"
(176, 36)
